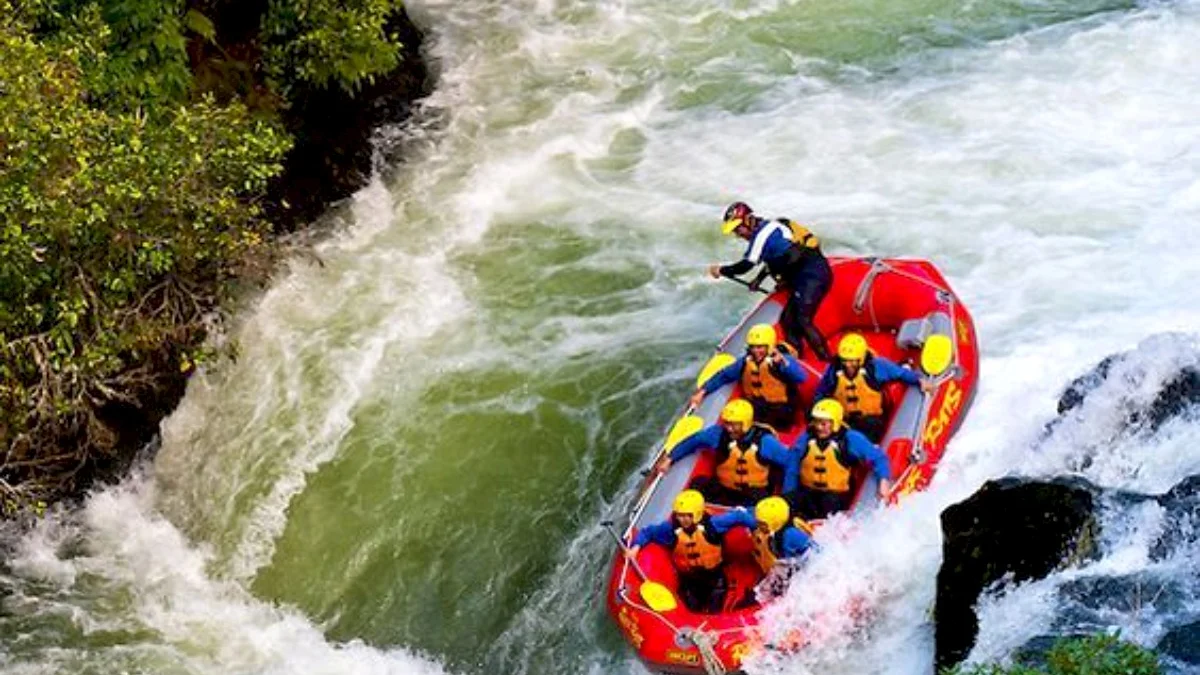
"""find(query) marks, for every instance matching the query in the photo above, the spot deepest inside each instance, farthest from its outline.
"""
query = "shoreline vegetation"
(152, 153)
(1099, 654)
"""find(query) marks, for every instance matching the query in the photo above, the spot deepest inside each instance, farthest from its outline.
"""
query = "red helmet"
(738, 213)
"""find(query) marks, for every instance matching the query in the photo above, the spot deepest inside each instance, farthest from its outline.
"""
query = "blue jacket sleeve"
(791, 475)
(730, 373)
(774, 452)
(707, 437)
(732, 518)
(795, 542)
(862, 449)
(659, 533)
(791, 370)
(826, 385)
(887, 371)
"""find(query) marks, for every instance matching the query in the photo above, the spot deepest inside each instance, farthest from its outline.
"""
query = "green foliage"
(329, 42)
(135, 49)
(129, 198)
(119, 230)
(1095, 655)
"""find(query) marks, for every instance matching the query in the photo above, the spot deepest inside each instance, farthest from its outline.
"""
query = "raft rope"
(706, 645)
(862, 296)
(705, 642)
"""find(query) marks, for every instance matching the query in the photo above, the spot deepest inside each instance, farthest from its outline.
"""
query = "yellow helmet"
(690, 502)
(773, 511)
(761, 335)
(853, 347)
(739, 412)
(829, 409)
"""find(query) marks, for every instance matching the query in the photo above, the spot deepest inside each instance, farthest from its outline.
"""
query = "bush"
(329, 42)
(120, 229)
(130, 199)
(1095, 655)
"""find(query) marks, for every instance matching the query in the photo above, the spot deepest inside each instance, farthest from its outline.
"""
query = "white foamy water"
(118, 573)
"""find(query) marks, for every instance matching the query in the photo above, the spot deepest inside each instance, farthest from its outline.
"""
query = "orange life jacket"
(759, 382)
(766, 546)
(738, 467)
(856, 394)
(801, 235)
(764, 550)
(804, 249)
(825, 466)
(695, 551)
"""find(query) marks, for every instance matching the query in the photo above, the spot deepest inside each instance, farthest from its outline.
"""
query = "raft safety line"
(703, 640)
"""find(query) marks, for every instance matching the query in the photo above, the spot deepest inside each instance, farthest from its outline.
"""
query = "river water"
(404, 469)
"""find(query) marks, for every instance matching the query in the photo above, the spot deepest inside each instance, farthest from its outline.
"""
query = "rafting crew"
(823, 458)
(695, 540)
(856, 378)
(792, 255)
(749, 458)
(696, 543)
(770, 378)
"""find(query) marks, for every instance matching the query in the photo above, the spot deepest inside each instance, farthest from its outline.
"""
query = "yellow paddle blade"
(937, 354)
(803, 525)
(716, 363)
(686, 426)
(658, 597)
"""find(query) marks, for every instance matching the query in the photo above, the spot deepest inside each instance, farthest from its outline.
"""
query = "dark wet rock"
(336, 143)
(1181, 520)
(1088, 600)
(1011, 530)
(1083, 385)
(1182, 644)
(1179, 395)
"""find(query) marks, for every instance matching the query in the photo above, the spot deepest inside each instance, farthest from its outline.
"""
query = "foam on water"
(117, 573)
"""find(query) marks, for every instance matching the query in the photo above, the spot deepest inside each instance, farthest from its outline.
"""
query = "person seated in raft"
(695, 540)
(856, 378)
(823, 457)
(777, 537)
(745, 454)
(769, 375)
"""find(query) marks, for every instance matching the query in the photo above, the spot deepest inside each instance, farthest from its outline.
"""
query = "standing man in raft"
(791, 254)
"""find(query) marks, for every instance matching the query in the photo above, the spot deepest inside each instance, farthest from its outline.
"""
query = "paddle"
(718, 362)
(937, 354)
(658, 598)
(686, 426)
(747, 284)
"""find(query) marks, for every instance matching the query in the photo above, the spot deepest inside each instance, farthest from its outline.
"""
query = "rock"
(1012, 530)
(1083, 385)
(1093, 600)
(1182, 644)
(1182, 506)
(334, 153)
(1176, 395)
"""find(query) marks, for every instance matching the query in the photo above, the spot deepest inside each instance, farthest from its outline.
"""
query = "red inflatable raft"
(897, 305)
